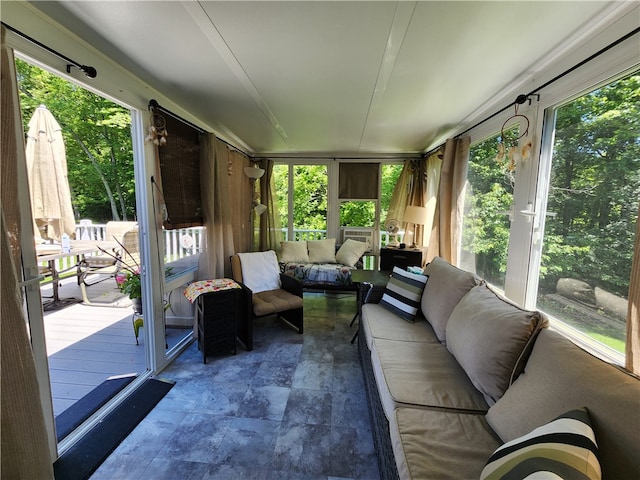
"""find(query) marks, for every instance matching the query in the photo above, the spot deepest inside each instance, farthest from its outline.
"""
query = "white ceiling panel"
(328, 76)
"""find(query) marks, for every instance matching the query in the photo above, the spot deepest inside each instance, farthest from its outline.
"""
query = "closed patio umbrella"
(48, 182)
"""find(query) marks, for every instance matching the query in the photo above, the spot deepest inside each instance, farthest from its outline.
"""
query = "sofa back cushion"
(446, 286)
(322, 251)
(294, 252)
(561, 376)
(351, 251)
(491, 339)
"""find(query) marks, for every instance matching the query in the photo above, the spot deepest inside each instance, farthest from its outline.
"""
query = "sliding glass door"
(81, 326)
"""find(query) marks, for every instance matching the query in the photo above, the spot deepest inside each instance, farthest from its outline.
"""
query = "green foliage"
(594, 192)
(97, 137)
(595, 187)
(488, 198)
(310, 197)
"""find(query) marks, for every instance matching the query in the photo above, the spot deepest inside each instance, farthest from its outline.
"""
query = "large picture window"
(592, 208)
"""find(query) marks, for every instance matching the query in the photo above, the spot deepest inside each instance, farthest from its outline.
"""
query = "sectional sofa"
(476, 387)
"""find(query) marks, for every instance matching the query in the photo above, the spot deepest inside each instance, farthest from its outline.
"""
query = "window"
(301, 192)
(488, 209)
(592, 207)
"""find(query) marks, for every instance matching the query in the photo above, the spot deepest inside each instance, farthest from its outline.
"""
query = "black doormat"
(77, 413)
(83, 458)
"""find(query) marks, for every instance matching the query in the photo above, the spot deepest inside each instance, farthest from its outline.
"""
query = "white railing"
(185, 242)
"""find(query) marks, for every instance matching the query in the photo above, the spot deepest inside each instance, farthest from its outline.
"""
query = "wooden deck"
(87, 344)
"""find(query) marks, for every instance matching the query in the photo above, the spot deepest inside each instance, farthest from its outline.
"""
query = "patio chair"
(102, 265)
(272, 292)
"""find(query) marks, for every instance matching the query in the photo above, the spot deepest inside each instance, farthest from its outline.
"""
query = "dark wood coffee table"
(370, 284)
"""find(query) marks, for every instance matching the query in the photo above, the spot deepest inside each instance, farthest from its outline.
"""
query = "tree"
(595, 188)
(97, 135)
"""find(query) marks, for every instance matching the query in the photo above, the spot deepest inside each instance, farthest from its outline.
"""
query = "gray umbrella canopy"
(48, 183)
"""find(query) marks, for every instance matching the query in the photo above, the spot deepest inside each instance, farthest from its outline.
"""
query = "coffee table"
(370, 285)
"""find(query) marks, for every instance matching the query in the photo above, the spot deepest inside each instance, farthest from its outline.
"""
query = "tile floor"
(293, 408)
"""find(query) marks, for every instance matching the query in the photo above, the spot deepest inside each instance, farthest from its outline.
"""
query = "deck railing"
(185, 242)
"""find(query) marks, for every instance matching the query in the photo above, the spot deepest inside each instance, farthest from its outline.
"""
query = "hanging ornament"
(157, 130)
(515, 151)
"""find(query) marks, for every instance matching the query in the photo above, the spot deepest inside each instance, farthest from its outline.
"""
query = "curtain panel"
(633, 315)
(24, 447)
(270, 226)
(214, 184)
(447, 229)
(418, 186)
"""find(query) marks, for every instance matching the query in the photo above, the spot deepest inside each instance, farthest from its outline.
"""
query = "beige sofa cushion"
(491, 338)
(434, 445)
(351, 251)
(322, 251)
(560, 376)
(378, 322)
(424, 375)
(445, 287)
(294, 252)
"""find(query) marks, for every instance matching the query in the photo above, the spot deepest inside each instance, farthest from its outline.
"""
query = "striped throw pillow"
(562, 449)
(403, 293)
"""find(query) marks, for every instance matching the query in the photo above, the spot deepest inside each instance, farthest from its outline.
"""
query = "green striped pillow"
(562, 449)
(403, 293)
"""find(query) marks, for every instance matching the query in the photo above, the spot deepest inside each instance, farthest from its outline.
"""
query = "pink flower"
(120, 279)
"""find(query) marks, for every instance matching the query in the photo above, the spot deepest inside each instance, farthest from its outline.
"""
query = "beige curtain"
(633, 317)
(446, 233)
(218, 243)
(270, 227)
(400, 195)
(24, 448)
(417, 185)
(241, 199)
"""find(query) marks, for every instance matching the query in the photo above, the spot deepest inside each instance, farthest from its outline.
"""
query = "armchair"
(271, 291)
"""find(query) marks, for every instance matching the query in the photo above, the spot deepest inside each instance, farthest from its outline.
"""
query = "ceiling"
(364, 77)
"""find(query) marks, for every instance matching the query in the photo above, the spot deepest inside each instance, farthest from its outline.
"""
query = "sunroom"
(513, 126)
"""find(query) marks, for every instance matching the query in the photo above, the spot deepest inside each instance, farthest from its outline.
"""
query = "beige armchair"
(285, 300)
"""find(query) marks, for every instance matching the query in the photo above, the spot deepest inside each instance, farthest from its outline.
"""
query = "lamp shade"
(415, 215)
(260, 209)
(254, 172)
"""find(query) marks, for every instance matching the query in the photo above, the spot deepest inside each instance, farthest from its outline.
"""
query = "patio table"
(79, 248)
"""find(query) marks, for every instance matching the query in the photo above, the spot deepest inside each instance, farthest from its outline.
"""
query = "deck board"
(87, 344)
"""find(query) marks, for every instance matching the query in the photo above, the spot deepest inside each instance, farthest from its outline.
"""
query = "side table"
(370, 285)
(400, 257)
(220, 314)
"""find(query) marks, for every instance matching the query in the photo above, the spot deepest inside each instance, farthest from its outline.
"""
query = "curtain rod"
(89, 71)
(523, 98)
(325, 157)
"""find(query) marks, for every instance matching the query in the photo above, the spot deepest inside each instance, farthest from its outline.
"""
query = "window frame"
(532, 180)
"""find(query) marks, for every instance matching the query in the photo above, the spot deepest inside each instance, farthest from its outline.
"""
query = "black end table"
(370, 285)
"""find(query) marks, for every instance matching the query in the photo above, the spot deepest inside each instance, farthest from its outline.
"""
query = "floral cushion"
(319, 274)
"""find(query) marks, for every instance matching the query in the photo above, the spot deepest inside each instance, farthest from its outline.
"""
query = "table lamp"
(417, 216)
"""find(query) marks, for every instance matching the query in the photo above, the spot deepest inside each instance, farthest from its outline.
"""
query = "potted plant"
(129, 284)
(129, 281)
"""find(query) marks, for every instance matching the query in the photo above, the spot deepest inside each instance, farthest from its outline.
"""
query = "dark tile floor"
(293, 408)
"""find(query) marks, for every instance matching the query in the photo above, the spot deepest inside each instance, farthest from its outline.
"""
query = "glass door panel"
(488, 211)
(88, 333)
